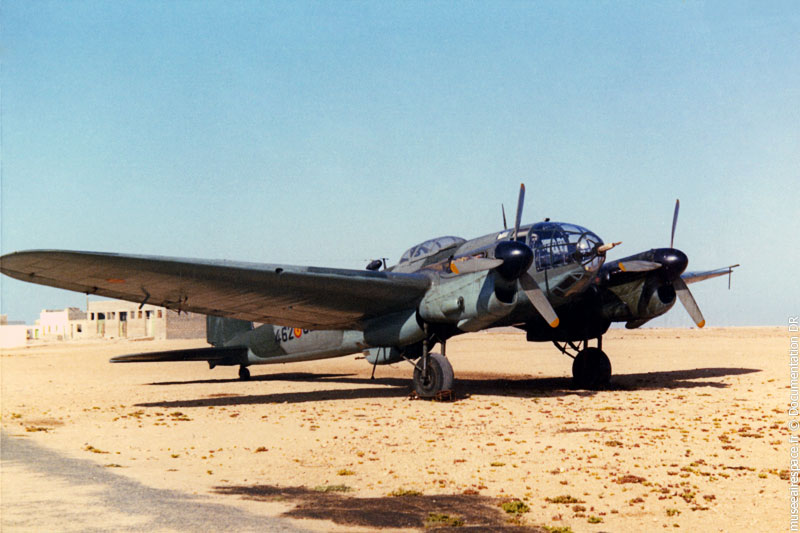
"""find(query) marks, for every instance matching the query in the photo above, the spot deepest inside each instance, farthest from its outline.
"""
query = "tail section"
(225, 331)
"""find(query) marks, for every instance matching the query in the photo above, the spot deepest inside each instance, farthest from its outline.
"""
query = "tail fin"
(220, 331)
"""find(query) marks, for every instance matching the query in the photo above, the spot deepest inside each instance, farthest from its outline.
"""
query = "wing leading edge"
(694, 277)
(310, 297)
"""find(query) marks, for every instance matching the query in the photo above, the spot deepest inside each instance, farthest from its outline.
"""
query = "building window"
(147, 314)
(79, 328)
(123, 316)
(159, 314)
(91, 316)
(140, 314)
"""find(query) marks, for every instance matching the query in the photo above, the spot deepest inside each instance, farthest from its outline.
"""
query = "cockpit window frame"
(430, 248)
(556, 244)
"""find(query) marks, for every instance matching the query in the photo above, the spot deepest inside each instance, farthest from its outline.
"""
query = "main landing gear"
(433, 376)
(433, 373)
(591, 368)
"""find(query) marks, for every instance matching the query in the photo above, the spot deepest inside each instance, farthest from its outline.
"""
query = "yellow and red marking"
(298, 332)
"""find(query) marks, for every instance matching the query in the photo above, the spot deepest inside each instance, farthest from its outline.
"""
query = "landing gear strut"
(591, 368)
(244, 373)
(433, 373)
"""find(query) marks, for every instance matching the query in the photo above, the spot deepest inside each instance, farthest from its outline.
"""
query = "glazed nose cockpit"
(557, 244)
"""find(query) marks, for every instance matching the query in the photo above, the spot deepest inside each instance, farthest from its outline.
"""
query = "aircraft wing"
(308, 297)
(693, 277)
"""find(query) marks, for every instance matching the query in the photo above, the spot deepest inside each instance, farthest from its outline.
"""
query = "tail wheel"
(591, 369)
(438, 376)
(244, 373)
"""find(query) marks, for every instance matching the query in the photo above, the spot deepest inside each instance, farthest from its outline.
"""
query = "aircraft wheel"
(439, 376)
(591, 369)
(244, 373)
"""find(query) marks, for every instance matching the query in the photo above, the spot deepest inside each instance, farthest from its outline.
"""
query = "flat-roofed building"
(61, 324)
(120, 319)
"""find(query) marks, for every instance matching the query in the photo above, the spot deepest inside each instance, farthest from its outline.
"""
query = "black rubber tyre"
(244, 373)
(438, 378)
(591, 369)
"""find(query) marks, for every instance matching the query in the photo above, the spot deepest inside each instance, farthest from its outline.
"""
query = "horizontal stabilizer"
(214, 356)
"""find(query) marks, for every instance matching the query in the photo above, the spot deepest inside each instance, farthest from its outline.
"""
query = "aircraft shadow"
(287, 376)
(466, 386)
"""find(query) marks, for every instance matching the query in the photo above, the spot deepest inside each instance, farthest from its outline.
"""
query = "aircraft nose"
(673, 262)
(516, 256)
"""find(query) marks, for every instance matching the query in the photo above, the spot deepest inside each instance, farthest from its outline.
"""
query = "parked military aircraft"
(549, 279)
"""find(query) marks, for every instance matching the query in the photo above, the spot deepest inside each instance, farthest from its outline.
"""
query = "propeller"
(688, 302)
(517, 258)
(674, 263)
(638, 266)
(468, 265)
(512, 259)
(681, 289)
(674, 223)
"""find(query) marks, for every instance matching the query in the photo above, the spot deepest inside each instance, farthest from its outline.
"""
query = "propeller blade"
(688, 302)
(505, 224)
(674, 223)
(638, 266)
(538, 299)
(519, 210)
(475, 264)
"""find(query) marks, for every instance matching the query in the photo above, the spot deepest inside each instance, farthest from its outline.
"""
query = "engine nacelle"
(637, 301)
(470, 302)
(398, 329)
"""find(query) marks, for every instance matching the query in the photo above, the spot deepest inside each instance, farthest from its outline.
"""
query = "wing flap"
(311, 297)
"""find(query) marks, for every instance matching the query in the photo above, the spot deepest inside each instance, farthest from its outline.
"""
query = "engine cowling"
(638, 301)
(470, 302)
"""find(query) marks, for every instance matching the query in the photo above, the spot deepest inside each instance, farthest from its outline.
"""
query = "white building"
(105, 319)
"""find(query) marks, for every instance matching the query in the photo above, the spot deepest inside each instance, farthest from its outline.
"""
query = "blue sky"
(329, 133)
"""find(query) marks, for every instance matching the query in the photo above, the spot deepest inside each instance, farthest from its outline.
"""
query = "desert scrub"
(440, 519)
(399, 493)
(332, 488)
(566, 498)
(558, 529)
(630, 479)
(345, 472)
(90, 448)
(515, 507)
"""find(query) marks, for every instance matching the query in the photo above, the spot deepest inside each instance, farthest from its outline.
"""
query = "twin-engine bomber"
(549, 279)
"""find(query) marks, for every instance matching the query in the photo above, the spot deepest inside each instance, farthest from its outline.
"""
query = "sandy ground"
(691, 435)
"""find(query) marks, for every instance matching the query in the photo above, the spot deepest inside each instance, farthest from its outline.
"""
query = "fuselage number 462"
(285, 334)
